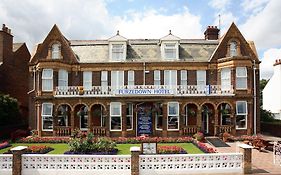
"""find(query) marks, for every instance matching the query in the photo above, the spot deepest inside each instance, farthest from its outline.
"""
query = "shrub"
(171, 150)
(35, 149)
(199, 136)
(31, 139)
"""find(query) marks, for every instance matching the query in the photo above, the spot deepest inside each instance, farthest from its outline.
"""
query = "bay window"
(225, 79)
(63, 78)
(173, 116)
(157, 80)
(47, 116)
(87, 80)
(115, 116)
(131, 78)
(241, 78)
(47, 80)
(129, 116)
(241, 115)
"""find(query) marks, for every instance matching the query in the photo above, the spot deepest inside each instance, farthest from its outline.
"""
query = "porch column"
(55, 123)
(199, 118)
(164, 121)
(216, 124)
(107, 120)
(124, 119)
(181, 118)
(72, 120)
(90, 122)
(233, 123)
(39, 119)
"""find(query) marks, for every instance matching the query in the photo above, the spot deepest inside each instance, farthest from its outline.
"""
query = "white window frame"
(173, 115)
(225, 79)
(131, 78)
(245, 114)
(170, 78)
(233, 49)
(46, 79)
(117, 79)
(118, 115)
(104, 81)
(243, 77)
(183, 77)
(56, 51)
(130, 116)
(87, 82)
(201, 80)
(157, 77)
(122, 51)
(47, 115)
(63, 78)
(172, 46)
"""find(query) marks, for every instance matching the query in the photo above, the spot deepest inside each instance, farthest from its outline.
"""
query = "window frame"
(172, 47)
(46, 78)
(245, 77)
(131, 78)
(47, 115)
(233, 51)
(157, 79)
(172, 81)
(80, 126)
(113, 51)
(56, 51)
(112, 115)
(63, 77)
(90, 81)
(173, 115)
(116, 80)
(104, 81)
(130, 116)
(184, 79)
(242, 114)
(225, 80)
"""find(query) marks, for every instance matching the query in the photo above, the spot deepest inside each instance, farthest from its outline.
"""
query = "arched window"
(56, 51)
(233, 48)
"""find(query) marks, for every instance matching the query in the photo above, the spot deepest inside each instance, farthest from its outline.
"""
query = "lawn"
(60, 148)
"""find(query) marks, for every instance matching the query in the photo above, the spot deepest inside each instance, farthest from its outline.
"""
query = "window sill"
(47, 130)
(240, 128)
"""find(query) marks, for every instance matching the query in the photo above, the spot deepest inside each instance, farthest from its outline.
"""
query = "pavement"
(262, 162)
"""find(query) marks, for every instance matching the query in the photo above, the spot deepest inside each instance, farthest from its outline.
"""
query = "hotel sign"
(144, 92)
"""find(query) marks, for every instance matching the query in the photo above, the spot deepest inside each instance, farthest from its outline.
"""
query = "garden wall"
(271, 128)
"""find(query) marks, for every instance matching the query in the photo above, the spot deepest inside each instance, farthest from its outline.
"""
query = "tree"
(9, 110)
(263, 83)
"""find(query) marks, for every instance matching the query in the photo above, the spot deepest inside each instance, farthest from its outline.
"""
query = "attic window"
(56, 52)
(233, 49)
(118, 52)
(170, 51)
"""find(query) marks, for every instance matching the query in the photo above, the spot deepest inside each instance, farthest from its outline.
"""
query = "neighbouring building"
(14, 73)
(272, 93)
(159, 87)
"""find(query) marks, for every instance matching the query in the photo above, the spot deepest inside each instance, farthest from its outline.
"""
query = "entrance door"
(205, 122)
(144, 119)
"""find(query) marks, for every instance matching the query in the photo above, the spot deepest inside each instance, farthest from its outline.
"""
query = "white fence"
(277, 153)
(191, 163)
(36, 164)
(6, 161)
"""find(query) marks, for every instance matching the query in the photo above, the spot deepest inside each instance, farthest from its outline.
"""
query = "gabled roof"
(118, 37)
(233, 32)
(16, 46)
(170, 37)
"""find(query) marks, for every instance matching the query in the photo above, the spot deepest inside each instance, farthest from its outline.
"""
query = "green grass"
(124, 149)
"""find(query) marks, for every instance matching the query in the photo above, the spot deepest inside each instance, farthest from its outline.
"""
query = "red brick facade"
(205, 105)
(14, 58)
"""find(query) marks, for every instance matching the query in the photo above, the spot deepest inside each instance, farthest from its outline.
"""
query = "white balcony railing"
(144, 90)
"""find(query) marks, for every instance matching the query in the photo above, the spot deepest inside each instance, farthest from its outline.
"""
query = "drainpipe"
(255, 99)
(143, 73)
(34, 77)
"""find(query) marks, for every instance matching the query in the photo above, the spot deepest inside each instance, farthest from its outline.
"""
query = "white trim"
(245, 114)
(51, 115)
(173, 115)
(120, 110)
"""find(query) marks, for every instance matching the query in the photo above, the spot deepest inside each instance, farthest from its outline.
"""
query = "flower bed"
(4, 145)
(244, 137)
(31, 139)
(142, 139)
(111, 152)
(171, 150)
(203, 147)
(35, 149)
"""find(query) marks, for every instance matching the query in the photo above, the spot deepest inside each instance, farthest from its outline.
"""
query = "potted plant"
(199, 136)
(81, 90)
(225, 136)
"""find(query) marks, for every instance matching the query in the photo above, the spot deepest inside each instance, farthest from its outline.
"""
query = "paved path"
(262, 161)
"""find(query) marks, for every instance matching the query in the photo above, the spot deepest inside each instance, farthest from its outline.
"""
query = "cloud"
(253, 6)
(264, 27)
(268, 59)
(219, 4)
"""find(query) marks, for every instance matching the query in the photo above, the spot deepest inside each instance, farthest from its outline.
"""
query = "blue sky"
(258, 20)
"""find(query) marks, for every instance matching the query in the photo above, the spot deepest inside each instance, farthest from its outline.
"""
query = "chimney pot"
(211, 33)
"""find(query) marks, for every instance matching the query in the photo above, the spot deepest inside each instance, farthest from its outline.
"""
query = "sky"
(258, 20)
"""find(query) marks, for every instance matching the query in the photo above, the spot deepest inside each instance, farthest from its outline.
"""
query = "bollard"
(17, 159)
(135, 154)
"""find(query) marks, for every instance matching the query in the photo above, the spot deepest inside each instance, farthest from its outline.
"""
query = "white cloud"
(219, 4)
(268, 59)
(253, 6)
(264, 27)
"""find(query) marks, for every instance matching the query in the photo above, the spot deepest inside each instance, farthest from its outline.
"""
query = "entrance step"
(216, 142)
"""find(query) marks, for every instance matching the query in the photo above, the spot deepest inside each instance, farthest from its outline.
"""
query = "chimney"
(277, 62)
(212, 33)
(6, 43)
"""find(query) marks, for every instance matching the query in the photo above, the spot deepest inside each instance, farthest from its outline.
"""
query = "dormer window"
(118, 52)
(56, 51)
(170, 50)
(170, 47)
(233, 49)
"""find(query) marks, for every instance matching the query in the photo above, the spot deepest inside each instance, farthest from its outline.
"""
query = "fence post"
(135, 154)
(17, 159)
(246, 150)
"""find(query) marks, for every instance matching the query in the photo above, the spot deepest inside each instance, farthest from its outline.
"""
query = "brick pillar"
(216, 124)
(90, 121)
(181, 118)
(164, 122)
(124, 119)
(17, 159)
(199, 119)
(39, 119)
(135, 153)
(233, 123)
(107, 120)
(246, 150)
(72, 120)
(55, 123)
